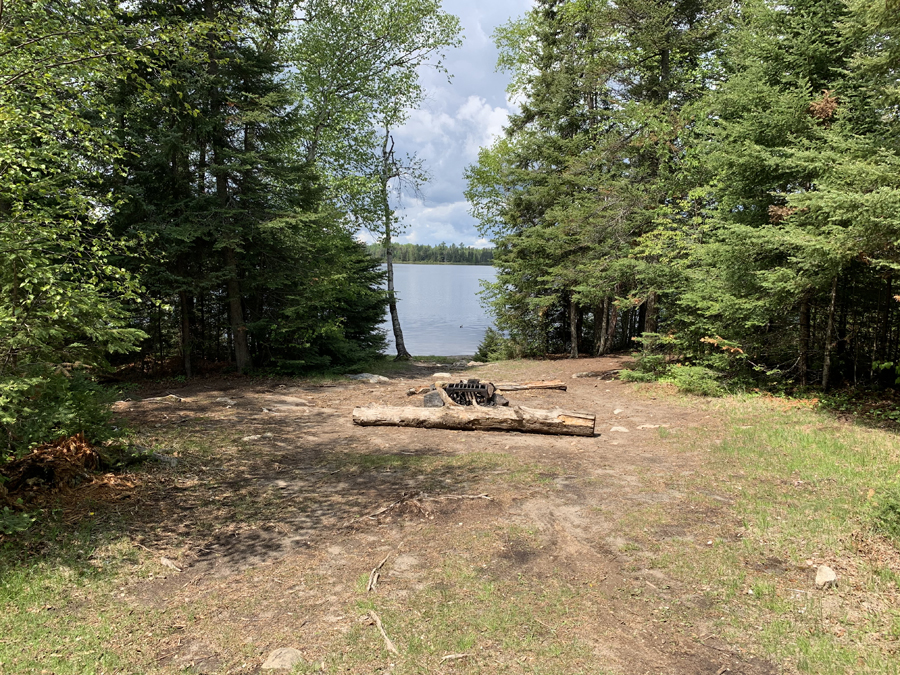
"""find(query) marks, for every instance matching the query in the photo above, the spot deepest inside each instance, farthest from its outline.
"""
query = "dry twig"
(454, 657)
(375, 574)
(387, 641)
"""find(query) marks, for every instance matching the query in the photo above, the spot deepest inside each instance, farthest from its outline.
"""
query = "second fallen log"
(478, 418)
(522, 386)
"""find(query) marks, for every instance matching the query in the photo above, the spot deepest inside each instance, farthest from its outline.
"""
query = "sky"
(457, 119)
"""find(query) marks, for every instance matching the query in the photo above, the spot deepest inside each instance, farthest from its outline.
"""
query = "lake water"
(440, 310)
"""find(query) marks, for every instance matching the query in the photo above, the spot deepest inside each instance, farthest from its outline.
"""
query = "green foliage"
(724, 174)
(884, 512)
(13, 522)
(495, 347)
(697, 380)
(45, 405)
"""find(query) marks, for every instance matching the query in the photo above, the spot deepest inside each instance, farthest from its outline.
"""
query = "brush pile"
(52, 467)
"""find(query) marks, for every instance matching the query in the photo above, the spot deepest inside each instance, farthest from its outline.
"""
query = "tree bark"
(388, 171)
(599, 314)
(804, 340)
(611, 330)
(185, 301)
(236, 314)
(651, 322)
(603, 347)
(573, 329)
(477, 418)
(829, 331)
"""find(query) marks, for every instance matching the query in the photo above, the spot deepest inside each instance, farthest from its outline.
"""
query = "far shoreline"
(424, 262)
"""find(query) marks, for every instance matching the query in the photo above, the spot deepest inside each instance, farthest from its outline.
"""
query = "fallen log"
(479, 418)
(543, 384)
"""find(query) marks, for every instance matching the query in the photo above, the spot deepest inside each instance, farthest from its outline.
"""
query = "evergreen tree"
(597, 151)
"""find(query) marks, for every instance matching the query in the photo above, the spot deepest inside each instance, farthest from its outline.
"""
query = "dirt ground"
(278, 508)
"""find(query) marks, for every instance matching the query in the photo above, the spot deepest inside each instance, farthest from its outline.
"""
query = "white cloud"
(485, 123)
(456, 120)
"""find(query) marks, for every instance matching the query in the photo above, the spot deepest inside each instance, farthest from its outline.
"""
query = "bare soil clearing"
(279, 508)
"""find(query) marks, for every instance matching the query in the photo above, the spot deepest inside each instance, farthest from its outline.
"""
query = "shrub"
(495, 347)
(45, 406)
(885, 512)
(695, 380)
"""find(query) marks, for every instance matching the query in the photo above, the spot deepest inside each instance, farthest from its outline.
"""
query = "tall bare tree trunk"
(389, 171)
(804, 339)
(829, 332)
(402, 353)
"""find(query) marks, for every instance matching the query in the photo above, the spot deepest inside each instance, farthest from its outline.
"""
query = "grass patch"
(502, 623)
(49, 621)
(786, 490)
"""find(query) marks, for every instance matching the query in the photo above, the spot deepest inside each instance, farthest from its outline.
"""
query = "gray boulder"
(284, 658)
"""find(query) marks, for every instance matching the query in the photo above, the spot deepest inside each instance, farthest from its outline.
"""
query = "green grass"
(512, 625)
(785, 486)
(48, 621)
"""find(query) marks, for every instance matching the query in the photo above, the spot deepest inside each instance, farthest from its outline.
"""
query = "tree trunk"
(573, 329)
(829, 331)
(604, 330)
(185, 300)
(883, 323)
(804, 340)
(236, 314)
(611, 330)
(388, 171)
(651, 321)
(599, 326)
(478, 418)
(402, 353)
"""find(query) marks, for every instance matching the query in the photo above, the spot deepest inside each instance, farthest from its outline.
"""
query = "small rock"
(587, 373)
(442, 375)
(500, 400)
(649, 426)
(433, 400)
(284, 658)
(620, 429)
(369, 377)
(256, 437)
(825, 577)
(168, 460)
(227, 401)
(618, 411)
(473, 364)
(460, 364)
(171, 565)
(411, 392)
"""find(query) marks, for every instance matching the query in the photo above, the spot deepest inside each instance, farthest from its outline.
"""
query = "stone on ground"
(284, 658)
(825, 577)
(433, 400)
(369, 377)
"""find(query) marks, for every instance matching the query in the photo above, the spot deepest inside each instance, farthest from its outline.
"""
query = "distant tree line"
(719, 177)
(442, 253)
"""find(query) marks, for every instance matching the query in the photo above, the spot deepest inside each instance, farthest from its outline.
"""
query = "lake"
(440, 310)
